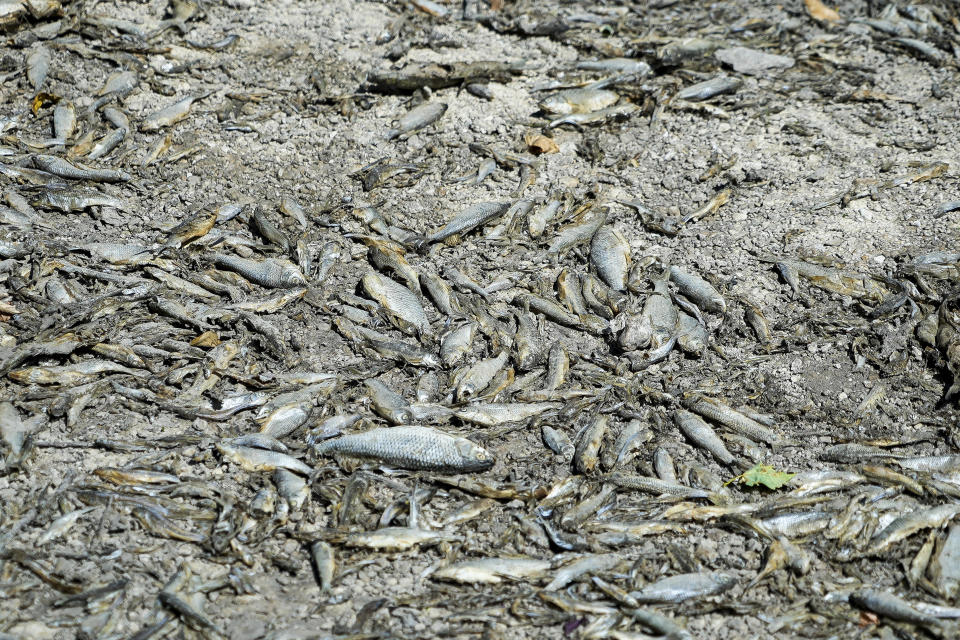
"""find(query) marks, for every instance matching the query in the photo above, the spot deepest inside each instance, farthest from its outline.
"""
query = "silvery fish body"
(420, 448)
(272, 272)
(468, 219)
(397, 299)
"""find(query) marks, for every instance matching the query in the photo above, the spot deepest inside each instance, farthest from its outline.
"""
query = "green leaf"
(763, 474)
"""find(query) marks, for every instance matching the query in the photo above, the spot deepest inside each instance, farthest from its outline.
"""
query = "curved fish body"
(457, 343)
(119, 83)
(252, 459)
(169, 115)
(477, 377)
(580, 231)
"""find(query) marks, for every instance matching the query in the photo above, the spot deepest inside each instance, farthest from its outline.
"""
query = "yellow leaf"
(822, 12)
(763, 474)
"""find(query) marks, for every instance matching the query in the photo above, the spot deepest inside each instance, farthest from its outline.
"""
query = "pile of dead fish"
(408, 444)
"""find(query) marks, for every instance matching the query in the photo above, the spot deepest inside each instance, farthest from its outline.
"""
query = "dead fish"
(578, 101)
(698, 290)
(655, 485)
(592, 117)
(169, 115)
(394, 538)
(12, 429)
(417, 118)
(387, 403)
(285, 420)
(888, 605)
(191, 229)
(456, 343)
(478, 376)
(700, 433)
(493, 570)
(710, 88)
(38, 65)
(272, 272)
(680, 588)
(64, 121)
(495, 414)
(558, 442)
(119, 83)
(610, 257)
(68, 375)
(63, 169)
(470, 218)
(907, 525)
(107, 143)
(251, 459)
(617, 65)
(411, 448)
(586, 456)
(324, 561)
(730, 418)
(398, 300)
(583, 566)
(581, 230)
(61, 525)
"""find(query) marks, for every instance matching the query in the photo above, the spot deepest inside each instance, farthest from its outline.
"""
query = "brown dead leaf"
(822, 12)
(538, 144)
(205, 339)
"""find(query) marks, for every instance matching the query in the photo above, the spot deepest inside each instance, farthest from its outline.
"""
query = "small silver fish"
(411, 448)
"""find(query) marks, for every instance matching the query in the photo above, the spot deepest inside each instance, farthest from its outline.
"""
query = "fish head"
(474, 457)
(555, 104)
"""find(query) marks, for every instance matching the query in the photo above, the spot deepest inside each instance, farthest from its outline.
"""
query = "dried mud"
(307, 123)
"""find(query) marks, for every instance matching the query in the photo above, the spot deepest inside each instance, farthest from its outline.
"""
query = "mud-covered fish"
(610, 256)
(493, 570)
(680, 588)
(168, 115)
